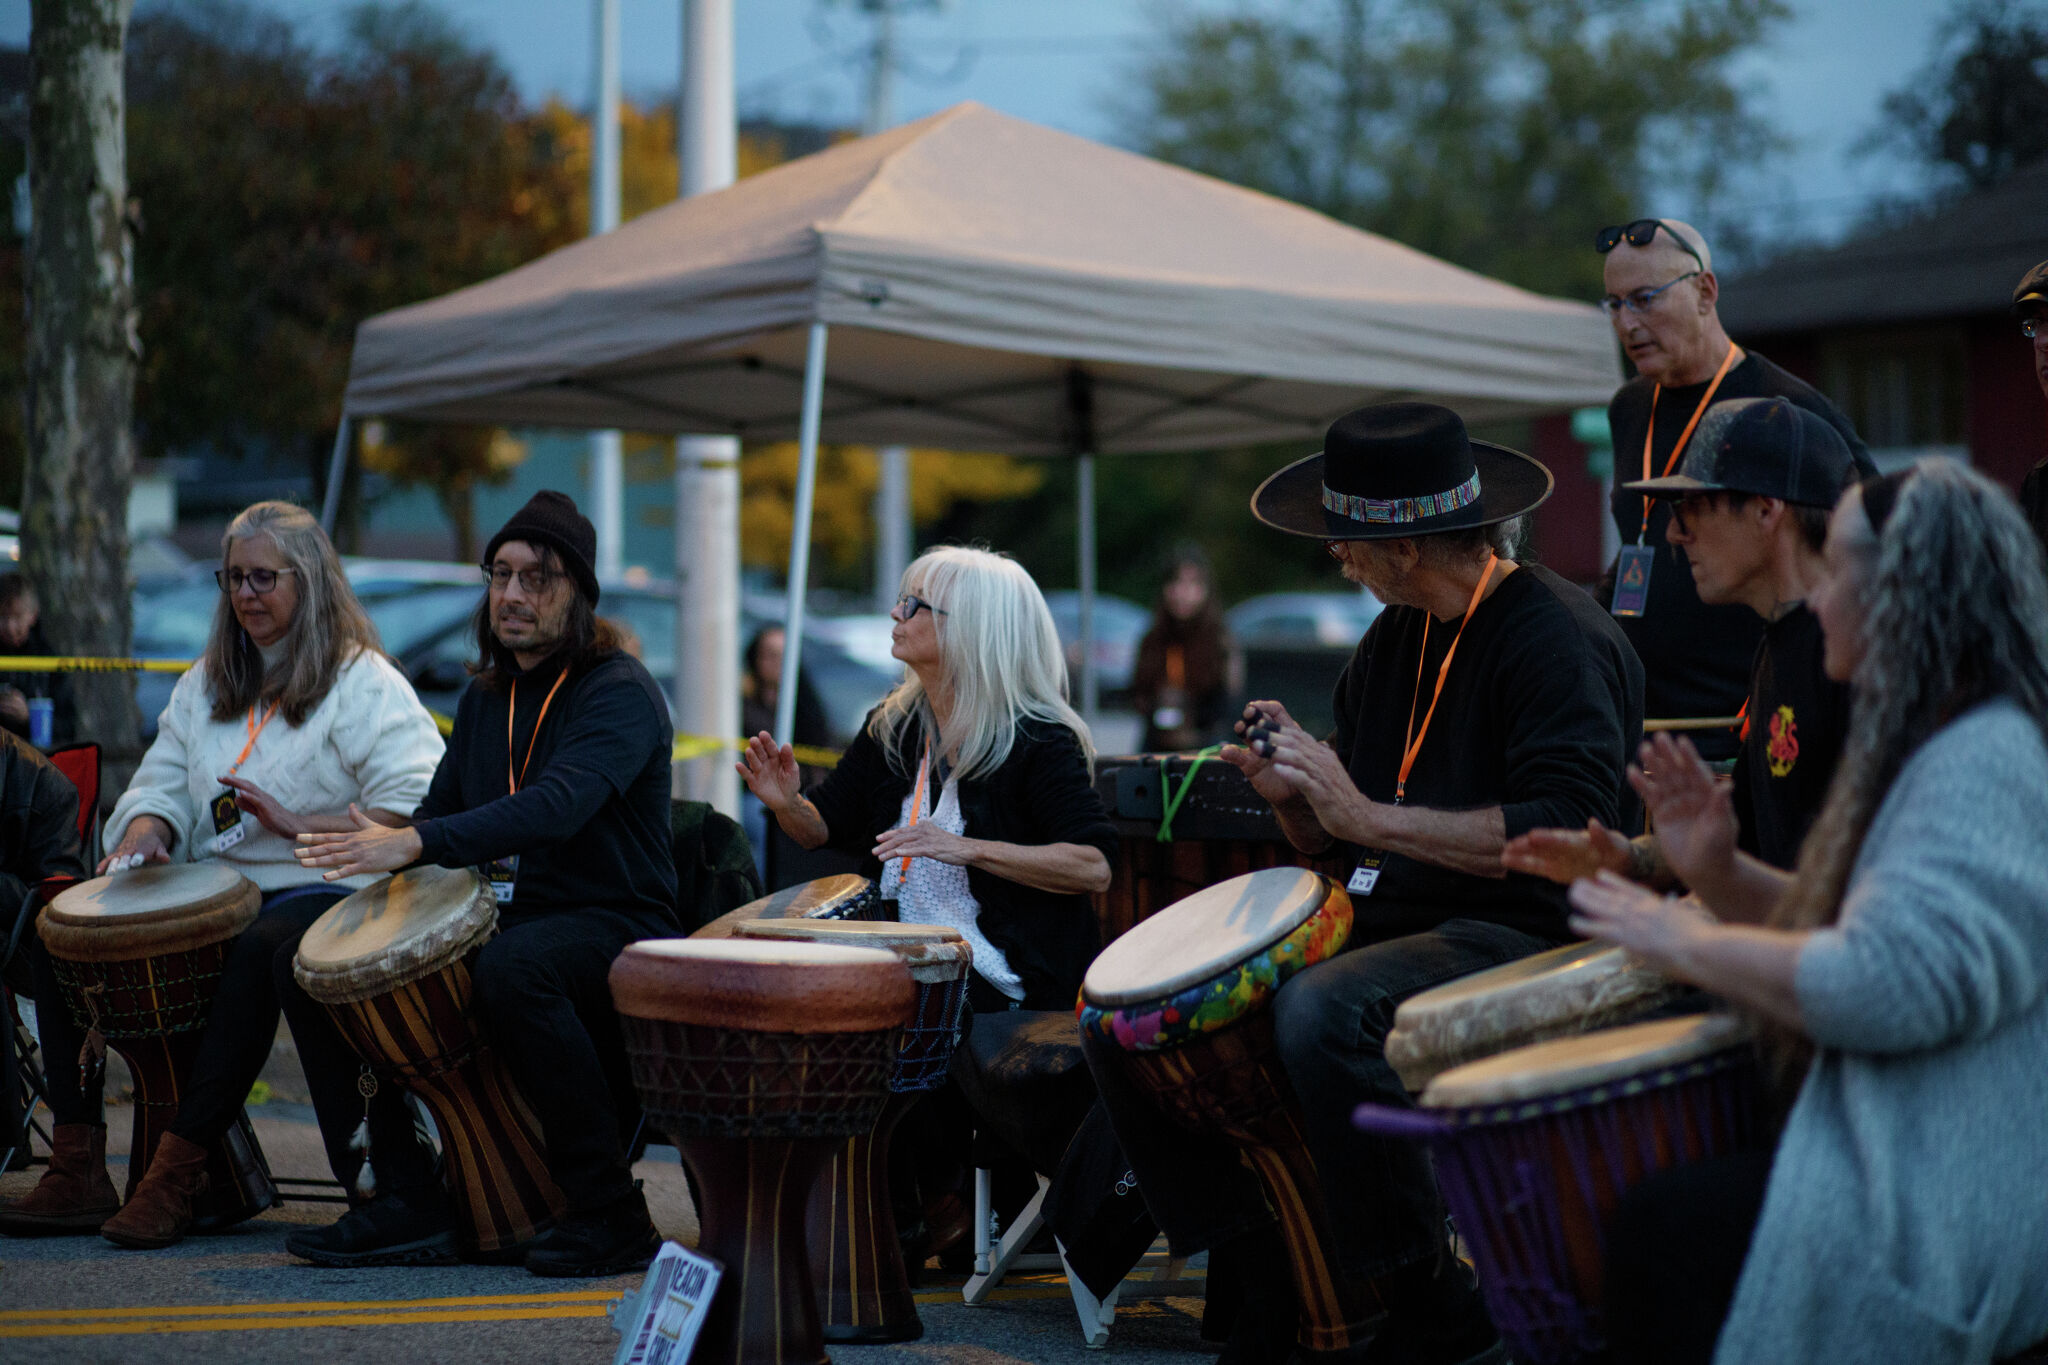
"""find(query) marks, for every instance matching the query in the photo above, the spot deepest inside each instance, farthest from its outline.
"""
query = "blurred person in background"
(760, 690)
(21, 632)
(1188, 668)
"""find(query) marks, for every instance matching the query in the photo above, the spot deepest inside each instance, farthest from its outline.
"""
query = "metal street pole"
(892, 488)
(607, 460)
(707, 515)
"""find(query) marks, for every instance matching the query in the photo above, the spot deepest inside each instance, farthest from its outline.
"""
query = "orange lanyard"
(1727, 363)
(1415, 737)
(513, 710)
(255, 729)
(924, 766)
(1176, 668)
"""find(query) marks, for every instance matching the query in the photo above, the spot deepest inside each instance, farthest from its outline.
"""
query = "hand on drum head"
(1565, 855)
(770, 772)
(1693, 814)
(146, 840)
(1657, 929)
(367, 848)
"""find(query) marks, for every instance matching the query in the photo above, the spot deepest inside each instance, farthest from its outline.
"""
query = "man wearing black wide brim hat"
(556, 785)
(1488, 698)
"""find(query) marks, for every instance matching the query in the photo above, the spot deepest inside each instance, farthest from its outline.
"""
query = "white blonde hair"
(1002, 658)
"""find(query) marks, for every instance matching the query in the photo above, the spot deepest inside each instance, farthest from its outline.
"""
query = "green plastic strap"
(1165, 835)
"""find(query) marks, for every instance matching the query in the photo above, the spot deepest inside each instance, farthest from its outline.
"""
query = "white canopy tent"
(986, 284)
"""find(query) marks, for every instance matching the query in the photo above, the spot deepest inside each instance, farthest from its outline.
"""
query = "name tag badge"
(1366, 875)
(227, 822)
(1632, 580)
(502, 873)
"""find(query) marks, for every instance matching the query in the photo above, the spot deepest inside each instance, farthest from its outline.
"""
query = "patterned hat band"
(1398, 511)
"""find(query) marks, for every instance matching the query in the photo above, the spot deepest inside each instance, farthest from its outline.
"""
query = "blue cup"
(42, 716)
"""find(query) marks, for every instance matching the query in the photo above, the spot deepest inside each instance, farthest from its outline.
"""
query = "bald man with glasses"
(1661, 296)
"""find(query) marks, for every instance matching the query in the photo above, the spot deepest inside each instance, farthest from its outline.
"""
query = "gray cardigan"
(1907, 1214)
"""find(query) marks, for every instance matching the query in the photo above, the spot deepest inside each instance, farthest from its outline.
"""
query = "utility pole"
(707, 517)
(892, 489)
(607, 459)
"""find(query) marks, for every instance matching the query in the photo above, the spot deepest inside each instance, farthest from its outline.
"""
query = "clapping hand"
(1565, 855)
(1694, 815)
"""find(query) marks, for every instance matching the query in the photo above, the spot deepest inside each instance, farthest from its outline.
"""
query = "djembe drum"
(856, 1259)
(392, 964)
(1187, 996)
(138, 956)
(1535, 1147)
(1574, 989)
(846, 896)
(758, 1059)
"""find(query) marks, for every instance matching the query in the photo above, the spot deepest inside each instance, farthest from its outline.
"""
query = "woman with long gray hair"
(292, 718)
(1899, 976)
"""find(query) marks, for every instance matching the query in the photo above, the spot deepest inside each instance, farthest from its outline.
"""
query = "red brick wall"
(2008, 415)
(1567, 530)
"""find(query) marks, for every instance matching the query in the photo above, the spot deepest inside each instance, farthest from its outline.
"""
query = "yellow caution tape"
(697, 746)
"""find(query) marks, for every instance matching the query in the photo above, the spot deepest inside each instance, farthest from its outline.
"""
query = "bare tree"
(80, 370)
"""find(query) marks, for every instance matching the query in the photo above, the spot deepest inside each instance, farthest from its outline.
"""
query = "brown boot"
(160, 1210)
(74, 1195)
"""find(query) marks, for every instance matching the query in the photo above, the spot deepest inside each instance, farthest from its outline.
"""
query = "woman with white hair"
(968, 790)
(1900, 975)
(296, 713)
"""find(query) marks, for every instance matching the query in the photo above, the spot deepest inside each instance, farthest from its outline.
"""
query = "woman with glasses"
(1900, 976)
(292, 718)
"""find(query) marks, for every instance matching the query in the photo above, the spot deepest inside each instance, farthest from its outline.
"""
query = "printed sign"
(659, 1324)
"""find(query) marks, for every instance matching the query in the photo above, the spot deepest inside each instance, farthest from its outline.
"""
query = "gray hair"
(328, 629)
(1002, 658)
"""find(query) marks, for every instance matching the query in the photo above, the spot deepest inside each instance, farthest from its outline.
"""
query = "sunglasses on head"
(1641, 232)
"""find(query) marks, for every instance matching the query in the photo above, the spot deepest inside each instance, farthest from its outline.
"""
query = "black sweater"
(38, 825)
(590, 821)
(1695, 657)
(1541, 711)
(1040, 794)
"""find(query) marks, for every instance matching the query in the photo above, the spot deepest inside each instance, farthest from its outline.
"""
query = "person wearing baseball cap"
(2030, 306)
(556, 784)
(1749, 510)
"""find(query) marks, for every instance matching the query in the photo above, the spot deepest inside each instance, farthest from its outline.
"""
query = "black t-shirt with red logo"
(1798, 719)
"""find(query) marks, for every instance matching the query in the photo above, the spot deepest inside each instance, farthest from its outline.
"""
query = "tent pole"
(337, 466)
(800, 534)
(1084, 494)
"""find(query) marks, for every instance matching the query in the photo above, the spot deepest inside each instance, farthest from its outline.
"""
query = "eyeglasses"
(260, 581)
(1335, 548)
(2030, 327)
(910, 605)
(1642, 300)
(533, 580)
(1641, 232)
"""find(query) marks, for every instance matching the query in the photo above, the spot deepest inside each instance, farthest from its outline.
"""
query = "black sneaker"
(613, 1240)
(1444, 1324)
(385, 1231)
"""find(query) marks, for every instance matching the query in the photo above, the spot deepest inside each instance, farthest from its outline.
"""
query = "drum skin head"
(805, 900)
(933, 952)
(1573, 989)
(160, 908)
(398, 930)
(1563, 1065)
(763, 986)
(1196, 938)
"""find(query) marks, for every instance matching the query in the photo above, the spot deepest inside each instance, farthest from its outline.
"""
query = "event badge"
(1632, 580)
(502, 873)
(1366, 875)
(658, 1323)
(227, 821)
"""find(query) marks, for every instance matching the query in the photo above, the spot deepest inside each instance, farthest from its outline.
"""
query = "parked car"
(1296, 643)
(1119, 624)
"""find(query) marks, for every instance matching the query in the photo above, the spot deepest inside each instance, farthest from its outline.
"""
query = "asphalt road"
(238, 1296)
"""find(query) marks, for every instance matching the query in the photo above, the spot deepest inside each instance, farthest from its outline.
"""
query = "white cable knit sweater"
(368, 741)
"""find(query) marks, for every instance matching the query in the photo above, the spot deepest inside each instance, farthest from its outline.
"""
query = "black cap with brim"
(2032, 294)
(1674, 486)
(1510, 483)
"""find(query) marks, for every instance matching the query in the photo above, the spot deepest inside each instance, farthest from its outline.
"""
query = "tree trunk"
(457, 495)
(80, 367)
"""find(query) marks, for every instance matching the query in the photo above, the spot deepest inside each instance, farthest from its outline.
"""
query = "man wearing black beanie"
(556, 785)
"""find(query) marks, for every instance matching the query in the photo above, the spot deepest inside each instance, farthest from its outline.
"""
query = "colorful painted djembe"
(1574, 989)
(1535, 1147)
(856, 1260)
(1187, 995)
(138, 956)
(392, 964)
(759, 1059)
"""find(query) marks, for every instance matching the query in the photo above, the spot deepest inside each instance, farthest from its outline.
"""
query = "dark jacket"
(38, 826)
(1041, 794)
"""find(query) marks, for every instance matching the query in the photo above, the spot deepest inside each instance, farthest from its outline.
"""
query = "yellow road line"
(314, 1306)
(141, 1326)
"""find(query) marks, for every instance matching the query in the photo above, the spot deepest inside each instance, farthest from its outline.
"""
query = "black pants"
(1675, 1249)
(256, 981)
(542, 989)
(1331, 1024)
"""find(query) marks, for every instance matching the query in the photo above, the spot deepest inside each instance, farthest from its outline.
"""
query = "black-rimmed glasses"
(910, 604)
(533, 580)
(260, 581)
(2030, 327)
(1641, 232)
